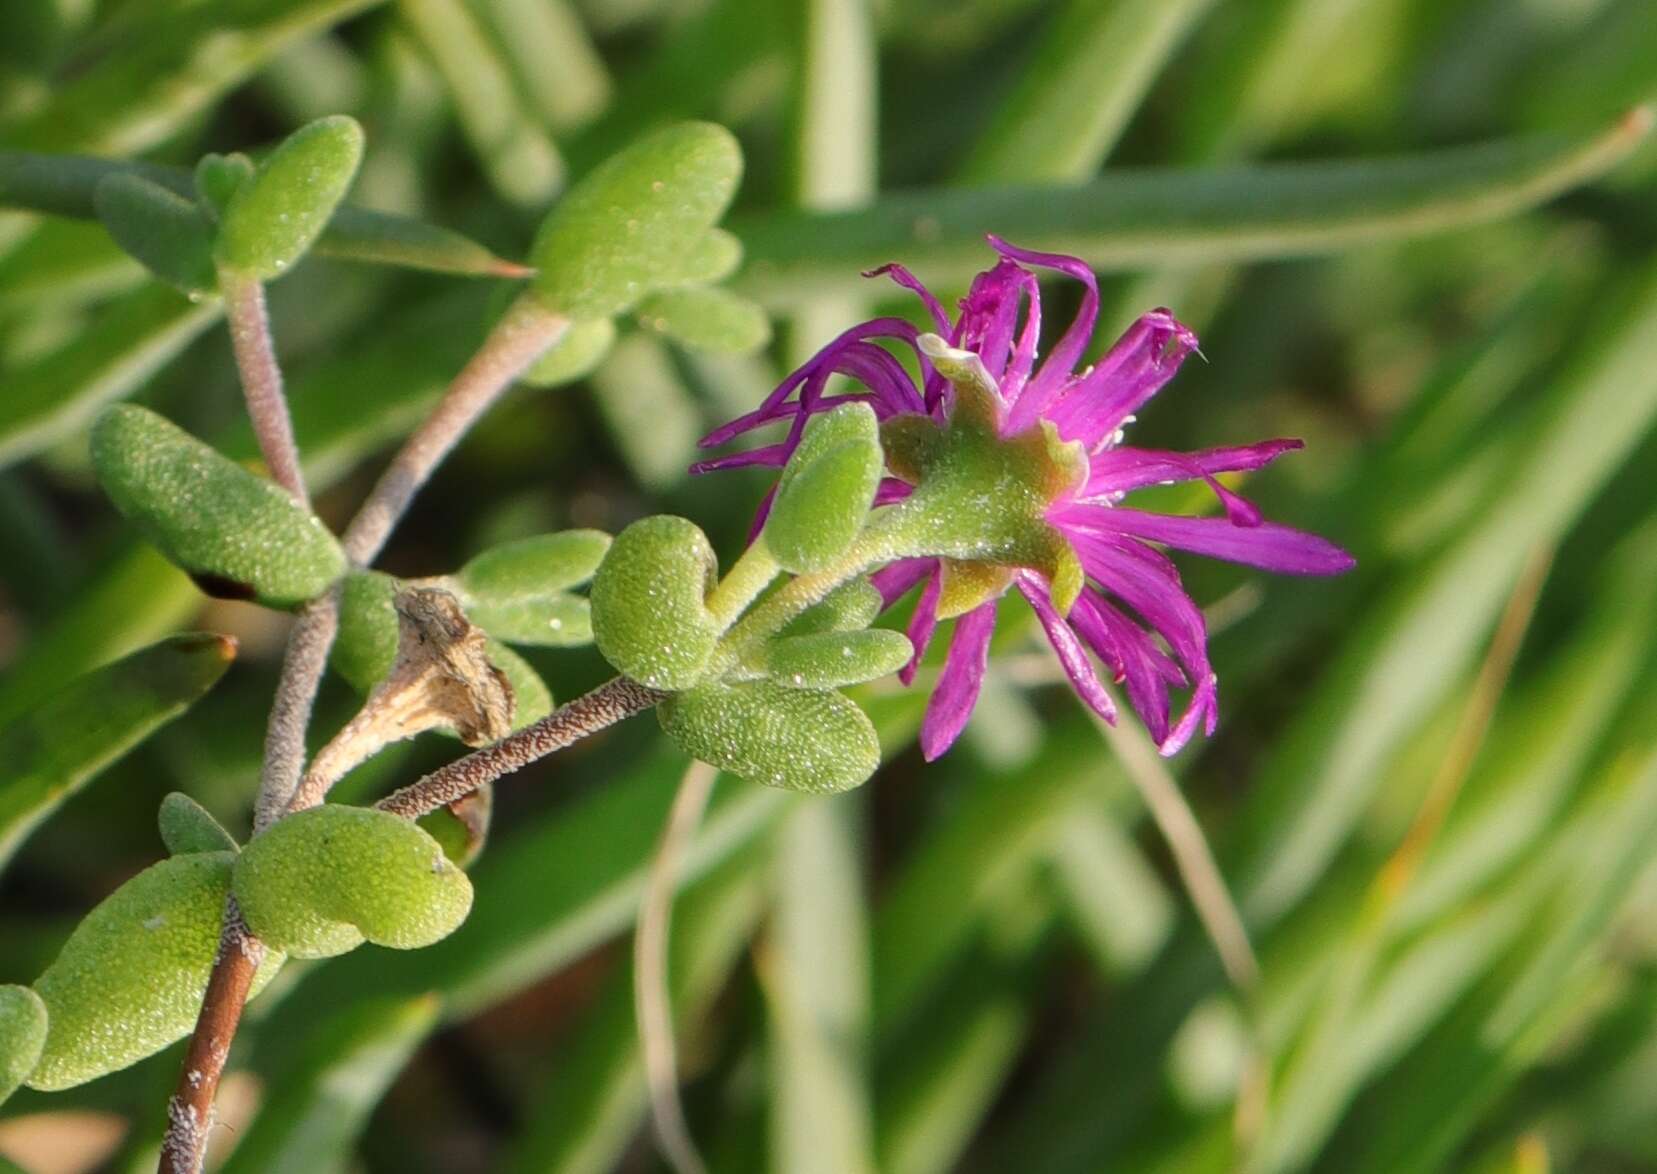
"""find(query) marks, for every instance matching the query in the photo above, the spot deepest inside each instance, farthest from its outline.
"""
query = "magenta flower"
(1132, 612)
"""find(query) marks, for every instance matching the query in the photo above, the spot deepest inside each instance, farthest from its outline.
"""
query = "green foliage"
(22, 1036)
(217, 180)
(811, 740)
(366, 646)
(54, 749)
(826, 489)
(129, 980)
(169, 234)
(323, 881)
(575, 356)
(609, 240)
(650, 615)
(1467, 399)
(274, 216)
(712, 319)
(847, 608)
(829, 660)
(187, 827)
(324, 1102)
(238, 535)
(519, 591)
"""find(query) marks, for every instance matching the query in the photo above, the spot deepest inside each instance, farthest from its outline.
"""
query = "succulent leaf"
(812, 740)
(322, 881)
(239, 536)
(649, 610)
(275, 215)
(130, 979)
(188, 827)
(826, 490)
(610, 240)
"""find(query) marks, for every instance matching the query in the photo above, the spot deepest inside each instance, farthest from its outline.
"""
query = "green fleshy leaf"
(218, 178)
(797, 739)
(650, 617)
(130, 979)
(829, 660)
(462, 828)
(275, 216)
(847, 608)
(550, 621)
(575, 356)
(532, 700)
(187, 827)
(23, 1023)
(713, 256)
(169, 234)
(240, 536)
(55, 748)
(366, 646)
(518, 591)
(532, 567)
(322, 881)
(706, 317)
(826, 490)
(608, 242)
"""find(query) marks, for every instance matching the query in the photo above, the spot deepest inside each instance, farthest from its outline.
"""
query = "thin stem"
(190, 1111)
(523, 334)
(748, 576)
(267, 407)
(303, 664)
(652, 997)
(606, 705)
(1192, 858)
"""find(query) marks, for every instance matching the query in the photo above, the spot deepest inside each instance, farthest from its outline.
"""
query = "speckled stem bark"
(606, 705)
(267, 407)
(523, 334)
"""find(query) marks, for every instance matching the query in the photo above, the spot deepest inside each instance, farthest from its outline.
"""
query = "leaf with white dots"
(130, 979)
(322, 881)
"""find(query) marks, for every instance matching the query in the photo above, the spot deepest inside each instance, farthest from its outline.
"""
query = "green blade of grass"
(1134, 218)
(816, 980)
(321, 1106)
(53, 750)
(596, 1096)
(1083, 83)
(57, 395)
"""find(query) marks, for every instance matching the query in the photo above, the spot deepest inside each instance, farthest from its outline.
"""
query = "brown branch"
(267, 407)
(606, 705)
(522, 336)
(190, 1111)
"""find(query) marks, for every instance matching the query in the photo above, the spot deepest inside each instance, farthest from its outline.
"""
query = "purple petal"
(1061, 361)
(1121, 470)
(910, 282)
(1093, 406)
(1132, 655)
(1203, 708)
(891, 490)
(922, 624)
(958, 685)
(1154, 464)
(1072, 656)
(990, 312)
(1147, 582)
(1268, 545)
(772, 456)
(894, 580)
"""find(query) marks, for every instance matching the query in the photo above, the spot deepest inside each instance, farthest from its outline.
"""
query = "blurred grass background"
(988, 964)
